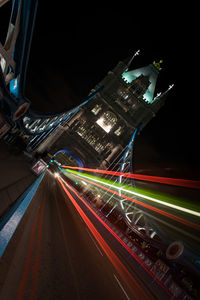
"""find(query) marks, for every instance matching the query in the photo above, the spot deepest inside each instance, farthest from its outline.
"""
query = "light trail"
(194, 184)
(134, 255)
(132, 284)
(157, 210)
(38, 218)
(117, 186)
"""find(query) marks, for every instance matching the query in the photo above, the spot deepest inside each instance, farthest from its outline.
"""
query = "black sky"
(75, 46)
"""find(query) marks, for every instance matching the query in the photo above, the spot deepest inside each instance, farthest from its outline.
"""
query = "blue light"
(14, 87)
(80, 164)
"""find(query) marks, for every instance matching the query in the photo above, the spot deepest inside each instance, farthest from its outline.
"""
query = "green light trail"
(147, 195)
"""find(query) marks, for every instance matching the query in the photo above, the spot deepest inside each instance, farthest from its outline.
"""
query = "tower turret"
(151, 72)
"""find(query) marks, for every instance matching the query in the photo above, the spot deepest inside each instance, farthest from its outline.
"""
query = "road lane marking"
(125, 293)
(94, 242)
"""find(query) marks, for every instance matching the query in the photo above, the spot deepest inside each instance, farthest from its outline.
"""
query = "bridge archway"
(66, 157)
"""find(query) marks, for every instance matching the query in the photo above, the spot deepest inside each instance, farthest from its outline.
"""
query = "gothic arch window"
(96, 109)
(118, 131)
(123, 94)
(107, 121)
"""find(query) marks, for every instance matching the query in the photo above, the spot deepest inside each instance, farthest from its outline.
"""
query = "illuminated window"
(81, 130)
(134, 106)
(91, 139)
(118, 131)
(96, 109)
(89, 136)
(107, 121)
(99, 147)
(123, 93)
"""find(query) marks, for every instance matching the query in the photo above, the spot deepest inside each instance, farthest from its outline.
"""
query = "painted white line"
(125, 293)
(94, 242)
(15, 218)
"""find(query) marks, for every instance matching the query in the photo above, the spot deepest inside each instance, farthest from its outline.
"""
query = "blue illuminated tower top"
(150, 72)
(131, 92)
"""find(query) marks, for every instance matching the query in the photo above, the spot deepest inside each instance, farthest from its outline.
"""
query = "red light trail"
(194, 184)
(132, 284)
(150, 207)
(23, 283)
(134, 255)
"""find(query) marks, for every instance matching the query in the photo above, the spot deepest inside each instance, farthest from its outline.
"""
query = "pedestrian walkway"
(15, 176)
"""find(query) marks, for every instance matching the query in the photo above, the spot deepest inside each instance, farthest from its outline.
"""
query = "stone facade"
(104, 126)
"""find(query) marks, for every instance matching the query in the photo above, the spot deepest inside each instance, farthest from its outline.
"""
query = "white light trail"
(180, 208)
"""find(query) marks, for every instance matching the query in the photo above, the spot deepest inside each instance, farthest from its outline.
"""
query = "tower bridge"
(100, 133)
(121, 102)
(104, 126)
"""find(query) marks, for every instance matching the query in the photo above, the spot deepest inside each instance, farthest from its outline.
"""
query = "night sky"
(75, 46)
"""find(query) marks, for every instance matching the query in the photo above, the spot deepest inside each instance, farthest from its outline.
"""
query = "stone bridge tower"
(103, 127)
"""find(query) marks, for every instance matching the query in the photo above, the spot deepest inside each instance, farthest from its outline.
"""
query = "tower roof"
(151, 72)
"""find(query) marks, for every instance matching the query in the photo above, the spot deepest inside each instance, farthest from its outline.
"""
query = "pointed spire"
(160, 95)
(170, 86)
(129, 60)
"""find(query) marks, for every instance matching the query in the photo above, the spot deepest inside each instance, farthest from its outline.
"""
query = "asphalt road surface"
(55, 255)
